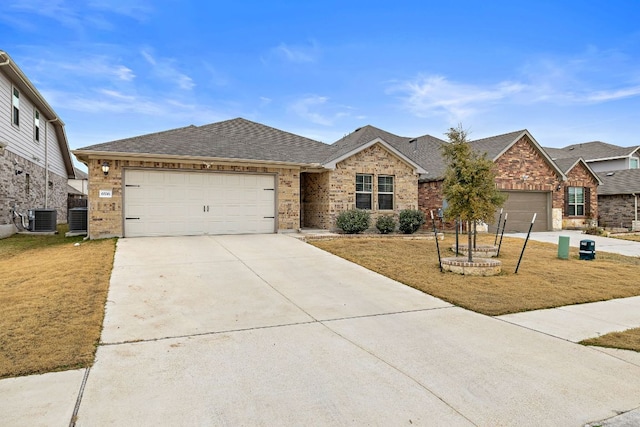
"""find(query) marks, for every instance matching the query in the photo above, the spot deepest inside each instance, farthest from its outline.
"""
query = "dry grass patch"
(632, 237)
(626, 340)
(543, 281)
(52, 297)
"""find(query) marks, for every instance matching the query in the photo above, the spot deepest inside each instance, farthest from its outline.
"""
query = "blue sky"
(569, 71)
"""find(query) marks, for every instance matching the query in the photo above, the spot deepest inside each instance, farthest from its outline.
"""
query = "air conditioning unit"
(78, 220)
(44, 220)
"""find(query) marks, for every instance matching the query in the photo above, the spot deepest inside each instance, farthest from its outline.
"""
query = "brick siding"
(105, 215)
(329, 193)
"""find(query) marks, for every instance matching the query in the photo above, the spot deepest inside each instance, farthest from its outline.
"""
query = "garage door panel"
(521, 206)
(172, 203)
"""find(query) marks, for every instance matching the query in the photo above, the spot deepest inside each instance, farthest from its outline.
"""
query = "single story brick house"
(618, 199)
(239, 176)
(533, 182)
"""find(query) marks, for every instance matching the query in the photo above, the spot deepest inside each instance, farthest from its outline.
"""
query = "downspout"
(636, 203)
(46, 161)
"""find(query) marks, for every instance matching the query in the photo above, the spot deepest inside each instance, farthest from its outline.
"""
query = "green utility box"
(563, 247)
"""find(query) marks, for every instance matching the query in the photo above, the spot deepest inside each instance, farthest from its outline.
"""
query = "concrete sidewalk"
(604, 244)
(267, 330)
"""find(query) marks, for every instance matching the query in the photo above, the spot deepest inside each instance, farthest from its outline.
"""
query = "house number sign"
(105, 193)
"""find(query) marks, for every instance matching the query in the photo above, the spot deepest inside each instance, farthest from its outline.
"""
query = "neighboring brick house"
(533, 182)
(35, 162)
(618, 199)
(238, 176)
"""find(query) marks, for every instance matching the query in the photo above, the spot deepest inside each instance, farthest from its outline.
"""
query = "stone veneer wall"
(617, 210)
(105, 215)
(315, 200)
(13, 188)
(375, 160)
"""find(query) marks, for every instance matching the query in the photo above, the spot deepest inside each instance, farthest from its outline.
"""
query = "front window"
(364, 191)
(16, 107)
(385, 193)
(36, 126)
(576, 201)
(633, 163)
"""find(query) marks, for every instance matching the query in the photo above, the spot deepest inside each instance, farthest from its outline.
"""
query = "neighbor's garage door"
(521, 205)
(165, 203)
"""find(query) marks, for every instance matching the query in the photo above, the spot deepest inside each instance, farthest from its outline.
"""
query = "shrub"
(596, 231)
(353, 221)
(411, 220)
(386, 224)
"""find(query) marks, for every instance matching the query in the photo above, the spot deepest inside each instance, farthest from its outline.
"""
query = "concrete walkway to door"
(267, 330)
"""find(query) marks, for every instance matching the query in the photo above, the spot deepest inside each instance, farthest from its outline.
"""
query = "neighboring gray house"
(35, 162)
(618, 199)
(600, 156)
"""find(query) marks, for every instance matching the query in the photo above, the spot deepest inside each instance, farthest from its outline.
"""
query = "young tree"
(469, 183)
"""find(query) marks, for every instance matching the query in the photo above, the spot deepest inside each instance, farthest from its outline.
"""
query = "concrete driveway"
(267, 330)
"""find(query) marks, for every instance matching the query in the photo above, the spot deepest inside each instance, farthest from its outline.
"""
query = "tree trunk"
(469, 234)
(475, 234)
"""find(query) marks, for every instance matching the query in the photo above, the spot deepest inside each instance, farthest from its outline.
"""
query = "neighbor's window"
(16, 107)
(364, 191)
(633, 163)
(385, 193)
(576, 201)
(36, 126)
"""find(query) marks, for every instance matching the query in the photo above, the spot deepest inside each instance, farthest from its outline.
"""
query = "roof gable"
(496, 146)
(568, 164)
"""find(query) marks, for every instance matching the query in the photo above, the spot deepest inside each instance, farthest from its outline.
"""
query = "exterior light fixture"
(105, 168)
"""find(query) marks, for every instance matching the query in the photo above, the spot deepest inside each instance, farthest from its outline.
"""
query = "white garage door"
(164, 203)
(521, 205)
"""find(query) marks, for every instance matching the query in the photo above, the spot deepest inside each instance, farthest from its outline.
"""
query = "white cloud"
(317, 110)
(165, 69)
(298, 53)
(612, 95)
(428, 95)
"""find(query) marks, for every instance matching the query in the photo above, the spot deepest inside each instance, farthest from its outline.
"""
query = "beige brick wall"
(339, 186)
(105, 214)
(315, 200)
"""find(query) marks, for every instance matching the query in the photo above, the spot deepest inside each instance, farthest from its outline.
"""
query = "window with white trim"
(36, 125)
(576, 201)
(633, 163)
(364, 191)
(385, 192)
(15, 111)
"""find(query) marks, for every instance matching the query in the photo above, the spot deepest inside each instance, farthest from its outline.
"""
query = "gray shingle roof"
(233, 139)
(567, 163)
(592, 151)
(360, 137)
(495, 145)
(80, 174)
(620, 182)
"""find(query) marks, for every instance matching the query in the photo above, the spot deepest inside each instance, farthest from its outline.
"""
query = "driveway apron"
(267, 330)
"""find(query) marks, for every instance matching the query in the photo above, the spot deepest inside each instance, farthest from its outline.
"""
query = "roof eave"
(85, 155)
